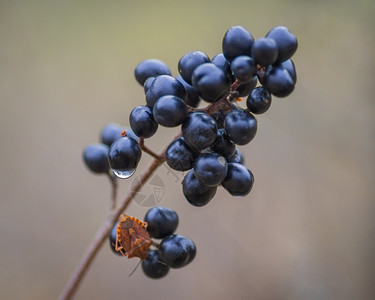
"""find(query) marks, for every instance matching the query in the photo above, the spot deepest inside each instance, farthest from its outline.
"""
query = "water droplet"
(123, 174)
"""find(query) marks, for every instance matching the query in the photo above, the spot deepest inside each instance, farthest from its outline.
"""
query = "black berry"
(180, 156)
(96, 158)
(150, 68)
(259, 101)
(161, 221)
(153, 267)
(123, 156)
(239, 180)
(170, 111)
(195, 192)
(142, 122)
(176, 251)
(240, 126)
(210, 169)
(199, 130)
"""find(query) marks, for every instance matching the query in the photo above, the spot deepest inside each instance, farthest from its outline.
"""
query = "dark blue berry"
(96, 158)
(240, 126)
(176, 251)
(153, 267)
(237, 41)
(278, 81)
(189, 62)
(210, 169)
(239, 180)
(195, 192)
(199, 130)
(264, 51)
(162, 86)
(170, 111)
(150, 68)
(259, 101)
(179, 156)
(243, 68)
(211, 82)
(123, 156)
(286, 42)
(142, 122)
(161, 221)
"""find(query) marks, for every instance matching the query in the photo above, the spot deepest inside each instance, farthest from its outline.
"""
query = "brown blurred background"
(306, 231)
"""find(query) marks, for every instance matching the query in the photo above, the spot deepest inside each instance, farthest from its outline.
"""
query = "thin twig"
(141, 143)
(114, 186)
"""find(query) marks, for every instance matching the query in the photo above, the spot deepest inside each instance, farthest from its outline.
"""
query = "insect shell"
(132, 238)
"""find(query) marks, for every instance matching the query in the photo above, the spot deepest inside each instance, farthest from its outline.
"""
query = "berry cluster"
(174, 251)
(206, 148)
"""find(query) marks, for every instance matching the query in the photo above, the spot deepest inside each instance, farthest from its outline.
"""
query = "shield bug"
(132, 239)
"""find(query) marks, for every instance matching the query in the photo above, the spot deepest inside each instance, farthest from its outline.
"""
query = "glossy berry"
(240, 126)
(286, 42)
(150, 68)
(170, 111)
(199, 130)
(176, 251)
(223, 145)
(161, 221)
(112, 132)
(239, 180)
(211, 82)
(153, 267)
(162, 86)
(123, 156)
(243, 68)
(189, 62)
(179, 156)
(259, 101)
(112, 240)
(237, 41)
(195, 192)
(210, 169)
(264, 51)
(96, 158)
(193, 98)
(142, 122)
(278, 81)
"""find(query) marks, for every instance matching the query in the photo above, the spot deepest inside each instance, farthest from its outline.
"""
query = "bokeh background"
(306, 231)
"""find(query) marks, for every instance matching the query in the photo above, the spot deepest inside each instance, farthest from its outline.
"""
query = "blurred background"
(306, 231)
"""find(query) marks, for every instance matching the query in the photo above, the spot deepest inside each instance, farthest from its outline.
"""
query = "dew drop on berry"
(122, 174)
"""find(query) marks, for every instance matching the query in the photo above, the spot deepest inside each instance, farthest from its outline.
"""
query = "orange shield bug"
(132, 238)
